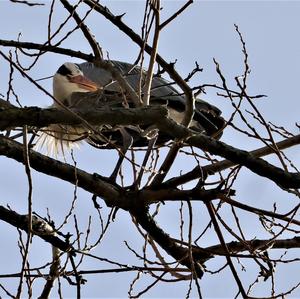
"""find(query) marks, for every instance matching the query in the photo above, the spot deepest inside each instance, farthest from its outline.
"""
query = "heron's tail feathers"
(59, 139)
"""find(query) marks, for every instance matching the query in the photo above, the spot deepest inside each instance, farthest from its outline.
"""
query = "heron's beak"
(84, 83)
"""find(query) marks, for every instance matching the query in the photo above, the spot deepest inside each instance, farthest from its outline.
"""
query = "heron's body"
(72, 78)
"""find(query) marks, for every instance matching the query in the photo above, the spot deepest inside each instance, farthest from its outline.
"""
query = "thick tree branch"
(224, 164)
(115, 197)
(257, 165)
(260, 245)
(94, 184)
(21, 222)
(237, 156)
(34, 116)
(46, 48)
(178, 252)
(148, 196)
(111, 194)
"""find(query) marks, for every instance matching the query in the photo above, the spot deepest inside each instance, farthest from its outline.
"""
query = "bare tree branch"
(237, 156)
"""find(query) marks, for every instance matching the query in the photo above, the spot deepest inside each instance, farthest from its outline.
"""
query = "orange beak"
(84, 83)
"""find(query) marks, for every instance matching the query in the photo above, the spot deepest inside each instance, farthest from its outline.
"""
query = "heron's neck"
(63, 89)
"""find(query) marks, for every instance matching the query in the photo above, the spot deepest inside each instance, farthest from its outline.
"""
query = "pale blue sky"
(203, 32)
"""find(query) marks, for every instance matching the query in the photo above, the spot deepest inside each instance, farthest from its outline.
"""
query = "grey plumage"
(207, 118)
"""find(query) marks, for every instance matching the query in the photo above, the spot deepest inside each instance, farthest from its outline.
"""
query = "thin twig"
(176, 14)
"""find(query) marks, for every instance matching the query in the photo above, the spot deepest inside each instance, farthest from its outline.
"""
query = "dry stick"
(257, 210)
(146, 29)
(27, 3)
(108, 66)
(259, 166)
(29, 231)
(172, 271)
(146, 90)
(147, 87)
(283, 229)
(54, 271)
(85, 30)
(146, 289)
(165, 167)
(50, 48)
(147, 222)
(256, 244)
(174, 150)
(176, 14)
(7, 292)
(190, 249)
(167, 265)
(200, 89)
(50, 15)
(62, 25)
(53, 274)
(262, 120)
(102, 271)
(10, 81)
(207, 253)
(151, 144)
(49, 38)
(77, 277)
(211, 211)
(129, 269)
(242, 240)
(243, 89)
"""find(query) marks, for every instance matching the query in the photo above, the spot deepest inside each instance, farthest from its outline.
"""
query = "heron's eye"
(63, 70)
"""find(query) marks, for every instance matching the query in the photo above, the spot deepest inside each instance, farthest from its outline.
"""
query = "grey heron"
(73, 78)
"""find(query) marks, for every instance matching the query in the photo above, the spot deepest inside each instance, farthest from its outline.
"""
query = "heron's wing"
(207, 118)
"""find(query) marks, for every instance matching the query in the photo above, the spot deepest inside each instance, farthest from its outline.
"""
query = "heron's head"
(68, 79)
